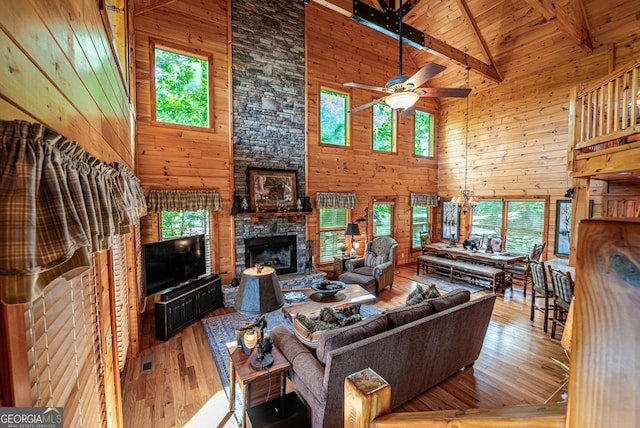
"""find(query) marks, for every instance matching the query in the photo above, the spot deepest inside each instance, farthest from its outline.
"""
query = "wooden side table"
(338, 265)
(257, 385)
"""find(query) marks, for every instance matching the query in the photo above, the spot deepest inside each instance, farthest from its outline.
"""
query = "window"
(115, 20)
(383, 128)
(419, 223)
(181, 88)
(187, 223)
(333, 222)
(382, 219)
(334, 117)
(423, 134)
(522, 224)
(487, 218)
(525, 225)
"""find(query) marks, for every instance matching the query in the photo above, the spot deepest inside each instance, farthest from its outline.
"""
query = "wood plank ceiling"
(496, 38)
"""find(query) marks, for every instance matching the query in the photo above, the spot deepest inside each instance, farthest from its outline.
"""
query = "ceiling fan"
(403, 91)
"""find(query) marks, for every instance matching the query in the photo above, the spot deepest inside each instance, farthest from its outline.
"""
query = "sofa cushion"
(339, 337)
(365, 270)
(450, 300)
(406, 314)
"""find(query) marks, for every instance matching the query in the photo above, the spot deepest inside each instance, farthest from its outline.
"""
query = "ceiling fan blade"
(408, 112)
(364, 106)
(363, 86)
(445, 92)
(425, 73)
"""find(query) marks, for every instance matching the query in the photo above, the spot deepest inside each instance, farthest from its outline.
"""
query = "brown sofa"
(413, 348)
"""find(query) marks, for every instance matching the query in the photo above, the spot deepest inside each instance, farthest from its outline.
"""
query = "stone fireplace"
(268, 113)
(278, 252)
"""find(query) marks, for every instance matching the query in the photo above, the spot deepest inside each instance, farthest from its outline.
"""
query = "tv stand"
(180, 306)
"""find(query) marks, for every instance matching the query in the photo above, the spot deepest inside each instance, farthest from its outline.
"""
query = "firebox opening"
(278, 252)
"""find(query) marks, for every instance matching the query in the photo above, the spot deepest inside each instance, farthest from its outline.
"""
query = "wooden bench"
(461, 270)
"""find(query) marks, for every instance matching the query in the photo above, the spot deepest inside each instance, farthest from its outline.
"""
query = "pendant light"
(467, 201)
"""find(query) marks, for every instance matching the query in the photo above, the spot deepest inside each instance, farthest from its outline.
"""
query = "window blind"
(63, 351)
(121, 292)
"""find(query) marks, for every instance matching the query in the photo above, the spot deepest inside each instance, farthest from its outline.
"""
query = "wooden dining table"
(497, 259)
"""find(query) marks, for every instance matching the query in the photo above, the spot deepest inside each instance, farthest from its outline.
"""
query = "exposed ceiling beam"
(466, 13)
(381, 5)
(563, 22)
(431, 44)
(443, 50)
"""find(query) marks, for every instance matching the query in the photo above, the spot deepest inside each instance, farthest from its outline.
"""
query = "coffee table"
(353, 295)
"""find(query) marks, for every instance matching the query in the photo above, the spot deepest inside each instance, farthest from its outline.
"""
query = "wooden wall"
(340, 50)
(518, 131)
(179, 157)
(58, 70)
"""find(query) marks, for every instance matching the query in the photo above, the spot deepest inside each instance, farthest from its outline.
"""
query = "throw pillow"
(416, 296)
(432, 292)
(369, 259)
(334, 339)
(382, 258)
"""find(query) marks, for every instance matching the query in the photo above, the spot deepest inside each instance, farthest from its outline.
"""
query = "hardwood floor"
(184, 389)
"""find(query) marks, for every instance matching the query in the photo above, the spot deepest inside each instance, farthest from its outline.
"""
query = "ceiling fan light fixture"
(402, 100)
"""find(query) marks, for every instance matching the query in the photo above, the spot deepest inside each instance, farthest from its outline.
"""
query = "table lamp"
(259, 293)
(352, 230)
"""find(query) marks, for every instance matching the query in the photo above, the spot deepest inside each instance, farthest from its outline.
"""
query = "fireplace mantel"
(291, 215)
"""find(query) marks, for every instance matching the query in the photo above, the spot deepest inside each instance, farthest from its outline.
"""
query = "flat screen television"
(170, 262)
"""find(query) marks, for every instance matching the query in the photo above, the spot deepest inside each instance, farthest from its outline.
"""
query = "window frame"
(338, 229)
(426, 226)
(347, 107)
(394, 128)
(115, 19)
(432, 135)
(504, 222)
(185, 51)
(383, 201)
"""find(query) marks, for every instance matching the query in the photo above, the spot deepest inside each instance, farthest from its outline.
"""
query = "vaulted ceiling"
(497, 38)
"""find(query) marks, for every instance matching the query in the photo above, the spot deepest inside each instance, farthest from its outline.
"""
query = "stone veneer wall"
(268, 61)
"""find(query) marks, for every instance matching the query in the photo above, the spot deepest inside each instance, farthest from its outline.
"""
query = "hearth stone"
(287, 282)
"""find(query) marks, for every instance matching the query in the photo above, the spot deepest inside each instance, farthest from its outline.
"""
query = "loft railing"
(605, 114)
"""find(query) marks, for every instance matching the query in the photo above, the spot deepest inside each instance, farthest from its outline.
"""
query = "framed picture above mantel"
(272, 189)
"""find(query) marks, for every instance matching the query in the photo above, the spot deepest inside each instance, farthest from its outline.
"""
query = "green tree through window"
(334, 107)
(523, 224)
(382, 219)
(419, 223)
(423, 134)
(382, 127)
(182, 89)
(175, 224)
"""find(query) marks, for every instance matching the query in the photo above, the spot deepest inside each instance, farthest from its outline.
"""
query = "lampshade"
(259, 292)
(352, 230)
(402, 100)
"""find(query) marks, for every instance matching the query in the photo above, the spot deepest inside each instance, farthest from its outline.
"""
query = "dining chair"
(541, 289)
(562, 295)
(425, 239)
(520, 271)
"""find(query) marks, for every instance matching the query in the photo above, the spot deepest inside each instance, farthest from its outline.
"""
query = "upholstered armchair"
(378, 264)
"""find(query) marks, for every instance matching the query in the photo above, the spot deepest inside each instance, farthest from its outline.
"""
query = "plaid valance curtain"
(183, 200)
(336, 200)
(58, 205)
(424, 200)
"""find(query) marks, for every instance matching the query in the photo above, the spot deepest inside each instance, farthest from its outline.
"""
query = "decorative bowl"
(327, 287)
